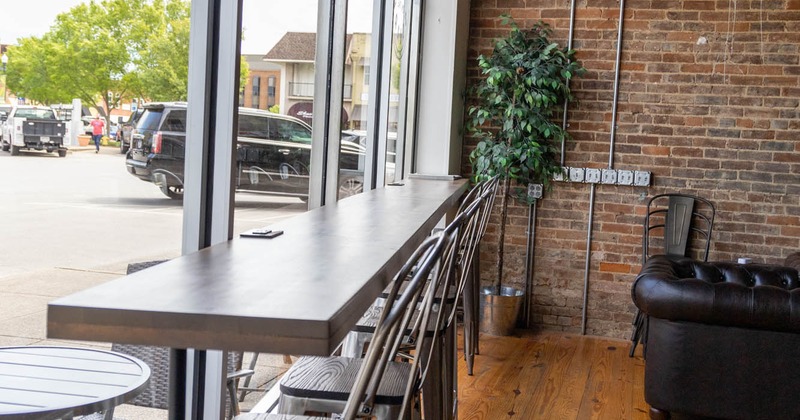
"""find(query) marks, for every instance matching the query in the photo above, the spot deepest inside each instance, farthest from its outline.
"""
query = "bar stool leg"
(246, 383)
(476, 284)
(471, 302)
(432, 387)
(353, 344)
(450, 355)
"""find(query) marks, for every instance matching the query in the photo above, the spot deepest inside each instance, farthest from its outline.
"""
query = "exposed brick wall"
(709, 101)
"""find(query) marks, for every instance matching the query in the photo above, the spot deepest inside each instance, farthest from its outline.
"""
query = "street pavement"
(67, 224)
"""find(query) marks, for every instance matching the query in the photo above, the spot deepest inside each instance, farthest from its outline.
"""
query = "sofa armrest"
(756, 296)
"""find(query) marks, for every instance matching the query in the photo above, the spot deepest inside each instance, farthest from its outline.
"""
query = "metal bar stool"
(377, 385)
(442, 359)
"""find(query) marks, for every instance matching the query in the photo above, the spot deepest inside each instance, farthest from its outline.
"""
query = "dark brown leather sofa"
(722, 340)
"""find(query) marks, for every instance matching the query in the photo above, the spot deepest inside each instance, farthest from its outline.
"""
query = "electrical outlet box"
(609, 176)
(559, 176)
(535, 190)
(576, 174)
(592, 175)
(624, 177)
(641, 178)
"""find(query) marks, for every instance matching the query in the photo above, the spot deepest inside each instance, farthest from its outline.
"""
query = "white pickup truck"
(34, 128)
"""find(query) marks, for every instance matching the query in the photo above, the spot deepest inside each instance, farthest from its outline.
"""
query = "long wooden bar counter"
(299, 293)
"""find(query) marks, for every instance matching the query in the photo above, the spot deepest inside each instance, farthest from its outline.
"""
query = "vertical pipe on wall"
(566, 102)
(529, 263)
(588, 260)
(610, 166)
(616, 86)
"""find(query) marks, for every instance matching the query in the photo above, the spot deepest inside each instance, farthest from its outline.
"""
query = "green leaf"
(129, 48)
(526, 78)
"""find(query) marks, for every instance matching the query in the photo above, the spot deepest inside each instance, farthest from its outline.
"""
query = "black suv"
(273, 153)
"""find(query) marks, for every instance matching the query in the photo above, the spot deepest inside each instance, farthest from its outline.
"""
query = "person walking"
(97, 132)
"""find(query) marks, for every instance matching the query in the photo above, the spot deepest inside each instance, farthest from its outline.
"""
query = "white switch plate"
(609, 176)
(624, 177)
(641, 178)
(592, 175)
(576, 174)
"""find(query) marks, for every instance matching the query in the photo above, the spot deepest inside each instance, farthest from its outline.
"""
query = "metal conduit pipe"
(616, 86)
(566, 102)
(531, 246)
(529, 262)
(588, 259)
(610, 166)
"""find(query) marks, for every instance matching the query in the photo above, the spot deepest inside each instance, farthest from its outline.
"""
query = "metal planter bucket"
(499, 312)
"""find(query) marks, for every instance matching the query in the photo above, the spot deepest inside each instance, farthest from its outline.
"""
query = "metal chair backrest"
(418, 294)
(489, 192)
(466, 229)
(684, 219)
(474, 213)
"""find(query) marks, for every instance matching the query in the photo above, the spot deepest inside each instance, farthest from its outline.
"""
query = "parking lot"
(70, 223)
(85, 211)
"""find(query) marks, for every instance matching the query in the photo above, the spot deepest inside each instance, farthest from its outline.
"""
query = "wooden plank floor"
(549, 375)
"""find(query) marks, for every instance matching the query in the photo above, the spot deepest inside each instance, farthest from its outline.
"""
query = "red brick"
(790, 231)
(615, 268)
(699, 5)
(653, 150)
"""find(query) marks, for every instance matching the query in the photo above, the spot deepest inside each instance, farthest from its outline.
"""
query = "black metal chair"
(684, 220)
(156, 395)
(376, 385)
(467, 227)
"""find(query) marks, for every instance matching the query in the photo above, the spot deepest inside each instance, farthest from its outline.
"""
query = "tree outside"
(107, 52)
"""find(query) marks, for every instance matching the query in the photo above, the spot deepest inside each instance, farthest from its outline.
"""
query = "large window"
(397, 68)
(256, 91)
(270, 91)
(376, 76)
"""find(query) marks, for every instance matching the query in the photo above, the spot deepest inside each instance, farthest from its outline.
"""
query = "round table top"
(47, 381)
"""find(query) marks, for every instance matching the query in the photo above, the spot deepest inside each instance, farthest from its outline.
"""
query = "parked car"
(113, 130)
(34, 127)
(4, 111)
(126, 130)
(273, 153)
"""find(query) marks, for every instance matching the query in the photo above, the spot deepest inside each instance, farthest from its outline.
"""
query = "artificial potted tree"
(525, 85)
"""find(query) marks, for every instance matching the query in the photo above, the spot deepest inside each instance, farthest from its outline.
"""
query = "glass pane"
(355, 98)
(398, 47)
(271, 172)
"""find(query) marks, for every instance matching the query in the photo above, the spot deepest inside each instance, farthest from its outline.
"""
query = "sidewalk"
(91, 148)
(23, 314)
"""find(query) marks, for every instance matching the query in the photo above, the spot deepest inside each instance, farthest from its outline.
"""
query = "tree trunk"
(501, 236)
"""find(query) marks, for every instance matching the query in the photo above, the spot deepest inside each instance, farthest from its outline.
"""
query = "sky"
(264, 21)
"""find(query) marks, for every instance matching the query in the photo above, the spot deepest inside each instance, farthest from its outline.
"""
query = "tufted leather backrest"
(744, 274)
(746, 295)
